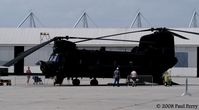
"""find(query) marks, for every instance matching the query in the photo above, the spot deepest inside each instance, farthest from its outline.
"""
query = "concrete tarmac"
(49, 97)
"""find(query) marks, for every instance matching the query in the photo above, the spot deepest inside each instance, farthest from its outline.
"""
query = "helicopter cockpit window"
(53, 57)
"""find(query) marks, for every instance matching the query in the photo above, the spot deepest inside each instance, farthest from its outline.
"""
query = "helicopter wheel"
(76, 82)
(94, 82)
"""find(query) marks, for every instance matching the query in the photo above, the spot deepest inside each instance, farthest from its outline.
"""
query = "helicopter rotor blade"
(189, 32)
(27, 52)
(178, 35)
(102, 39)
(111, 35)
(170, 31)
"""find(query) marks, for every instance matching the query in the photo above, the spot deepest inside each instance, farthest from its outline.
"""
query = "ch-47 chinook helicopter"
(154, 55)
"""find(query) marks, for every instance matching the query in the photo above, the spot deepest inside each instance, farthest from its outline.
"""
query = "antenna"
(84, 18)
(193, 23)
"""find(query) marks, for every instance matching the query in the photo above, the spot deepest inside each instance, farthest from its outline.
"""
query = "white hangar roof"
(31, 36)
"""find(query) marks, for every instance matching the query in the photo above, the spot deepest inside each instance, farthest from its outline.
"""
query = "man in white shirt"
(134, 77)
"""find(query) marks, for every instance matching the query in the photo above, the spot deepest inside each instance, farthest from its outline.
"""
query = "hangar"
(16, 40)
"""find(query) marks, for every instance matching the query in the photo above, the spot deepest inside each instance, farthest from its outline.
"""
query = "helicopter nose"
(47, 69)
(38, 63)
(43, 67)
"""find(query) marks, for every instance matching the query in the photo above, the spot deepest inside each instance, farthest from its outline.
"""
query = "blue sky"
(104, 13)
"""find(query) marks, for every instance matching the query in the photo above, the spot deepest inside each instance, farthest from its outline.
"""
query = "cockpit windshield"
(53, 57)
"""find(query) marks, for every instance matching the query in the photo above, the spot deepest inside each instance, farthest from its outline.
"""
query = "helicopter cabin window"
(53, 57)
(182, 59)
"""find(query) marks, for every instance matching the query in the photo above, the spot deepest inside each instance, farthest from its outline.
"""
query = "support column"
(197, 61)
(19, 66)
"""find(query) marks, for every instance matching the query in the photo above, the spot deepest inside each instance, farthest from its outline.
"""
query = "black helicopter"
(154, 55)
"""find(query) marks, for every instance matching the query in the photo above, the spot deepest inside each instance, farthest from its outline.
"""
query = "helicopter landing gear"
(94, 82)
(76, 82)
(58, 80)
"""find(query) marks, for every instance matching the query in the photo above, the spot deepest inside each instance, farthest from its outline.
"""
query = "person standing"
(167, 81)
(28, 72)
(134, 77)
(116, 77)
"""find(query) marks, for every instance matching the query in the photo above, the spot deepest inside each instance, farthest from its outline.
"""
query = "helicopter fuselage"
(154, 55)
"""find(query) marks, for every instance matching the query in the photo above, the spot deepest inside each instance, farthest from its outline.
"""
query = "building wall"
(7, 53)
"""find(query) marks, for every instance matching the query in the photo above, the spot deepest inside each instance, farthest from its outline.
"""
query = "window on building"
(182, 59)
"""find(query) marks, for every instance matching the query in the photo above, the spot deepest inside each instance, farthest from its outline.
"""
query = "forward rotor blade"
(190, 32)
(27, 52)
(178, 35)
(106, 36)
(102, 39)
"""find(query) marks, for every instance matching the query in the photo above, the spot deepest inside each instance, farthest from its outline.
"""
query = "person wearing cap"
(116, 77)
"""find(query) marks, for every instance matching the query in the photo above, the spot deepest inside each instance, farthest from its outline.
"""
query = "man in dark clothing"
(116, 77)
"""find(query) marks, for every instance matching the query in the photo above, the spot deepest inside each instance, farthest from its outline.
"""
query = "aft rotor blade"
(27, 52)
(178, 35)
(190, 32)
(102, 39)
(106, 36)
